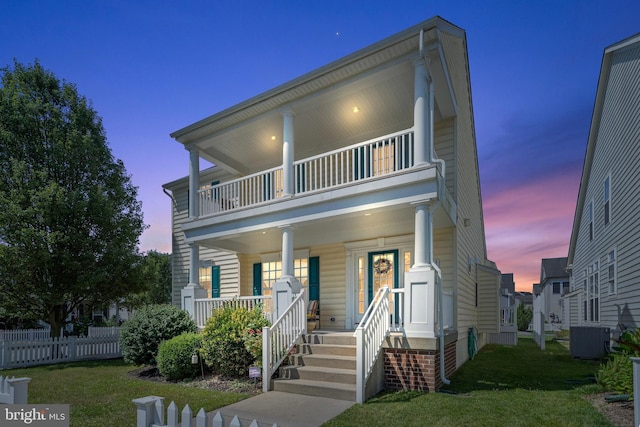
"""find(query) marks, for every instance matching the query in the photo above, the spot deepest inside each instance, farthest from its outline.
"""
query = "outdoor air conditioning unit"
(589, 342)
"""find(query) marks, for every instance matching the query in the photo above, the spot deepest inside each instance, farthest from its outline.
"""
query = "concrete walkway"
(285, 410)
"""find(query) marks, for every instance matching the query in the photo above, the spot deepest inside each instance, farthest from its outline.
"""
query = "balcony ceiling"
(377, 80)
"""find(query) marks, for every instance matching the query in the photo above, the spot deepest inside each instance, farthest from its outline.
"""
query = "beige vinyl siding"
(228, 262)
(443, 146)
(332, 284)
(617, 154)
(470, 240)
(179, 249)
(488, 300)
(246, 273)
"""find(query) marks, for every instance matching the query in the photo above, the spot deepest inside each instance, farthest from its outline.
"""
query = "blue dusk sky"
(153, 67)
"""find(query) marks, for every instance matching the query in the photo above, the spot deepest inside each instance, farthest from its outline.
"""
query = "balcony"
(385, 156)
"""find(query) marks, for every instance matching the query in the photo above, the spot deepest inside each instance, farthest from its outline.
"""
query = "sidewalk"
(285, 410)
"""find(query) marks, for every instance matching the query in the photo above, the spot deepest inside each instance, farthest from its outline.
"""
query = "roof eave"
(433, 23)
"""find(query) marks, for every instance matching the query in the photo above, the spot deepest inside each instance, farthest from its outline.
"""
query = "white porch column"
(194, 263)
(423, 228)
(420, 281)
(287, 286)
(422, 117)
(194, 182)
(193, 290)
(287, 251)
(288, 154)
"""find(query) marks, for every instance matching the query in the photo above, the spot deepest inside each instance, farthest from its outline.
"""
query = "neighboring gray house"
(554, 282)
(525, 298)
(604, 250)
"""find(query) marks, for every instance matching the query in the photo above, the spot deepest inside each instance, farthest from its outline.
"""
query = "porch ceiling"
(357, 226)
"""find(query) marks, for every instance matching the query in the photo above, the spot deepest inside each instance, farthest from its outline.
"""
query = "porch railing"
(370, 336)
(280, 338)
(374, 158)
(203, 307)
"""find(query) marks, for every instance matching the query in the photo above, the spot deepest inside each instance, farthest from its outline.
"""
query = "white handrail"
(370, 336)
(280, 338)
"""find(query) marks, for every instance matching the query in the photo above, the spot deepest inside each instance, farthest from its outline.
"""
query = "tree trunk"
(57, 319)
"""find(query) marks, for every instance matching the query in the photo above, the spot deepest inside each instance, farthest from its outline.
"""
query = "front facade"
(359, 175)
(554, 282)
(604, 251)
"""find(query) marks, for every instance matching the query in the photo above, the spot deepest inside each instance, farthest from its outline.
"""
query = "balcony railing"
(369, 159)
(364, 161)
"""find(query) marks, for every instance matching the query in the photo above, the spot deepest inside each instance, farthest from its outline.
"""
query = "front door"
(376, 270)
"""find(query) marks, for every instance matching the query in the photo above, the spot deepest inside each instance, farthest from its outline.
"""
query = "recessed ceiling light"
(367, 214)
(355, 109)
(273, 137)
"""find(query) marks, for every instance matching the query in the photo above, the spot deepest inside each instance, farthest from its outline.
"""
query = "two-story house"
(358, 177)
(554, 282)
(604, 251)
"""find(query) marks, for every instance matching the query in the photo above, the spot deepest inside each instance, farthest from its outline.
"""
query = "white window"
(272, 270)
(611, 258)
(607, 199)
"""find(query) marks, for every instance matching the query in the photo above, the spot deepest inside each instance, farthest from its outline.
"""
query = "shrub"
(152, 324)
(617, 373)
(525, 315)
(223, 340)
(174, 356)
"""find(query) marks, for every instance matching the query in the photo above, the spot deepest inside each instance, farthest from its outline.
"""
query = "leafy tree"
(157, 270)
(69, 215)
(525, 315)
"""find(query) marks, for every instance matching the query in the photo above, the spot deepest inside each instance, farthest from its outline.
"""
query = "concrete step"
(328, 349)
(340, 338)
(317, 388)
(316, 373)
(323, 360)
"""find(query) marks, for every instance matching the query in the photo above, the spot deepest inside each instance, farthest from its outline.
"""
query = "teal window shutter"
(314, 278)
(215, 281)
(257, 279)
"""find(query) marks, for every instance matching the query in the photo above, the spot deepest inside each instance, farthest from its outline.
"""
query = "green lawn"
(501, 386)
(100, 393)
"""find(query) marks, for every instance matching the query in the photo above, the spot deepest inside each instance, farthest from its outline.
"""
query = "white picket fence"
(14, 390)
(25, 334)
(103, 331)
(21, 354)
(150, 412)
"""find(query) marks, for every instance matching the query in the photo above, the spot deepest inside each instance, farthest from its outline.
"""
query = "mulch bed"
(210, 382)
(619, 413)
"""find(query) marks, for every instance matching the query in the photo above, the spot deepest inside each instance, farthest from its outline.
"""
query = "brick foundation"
(406, 369)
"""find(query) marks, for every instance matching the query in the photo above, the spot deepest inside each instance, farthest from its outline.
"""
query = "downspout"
(441, 184)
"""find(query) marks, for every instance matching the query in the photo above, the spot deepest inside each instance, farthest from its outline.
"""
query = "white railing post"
(360, 356)
(370, 336)
(636, 390)
(266, 358)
